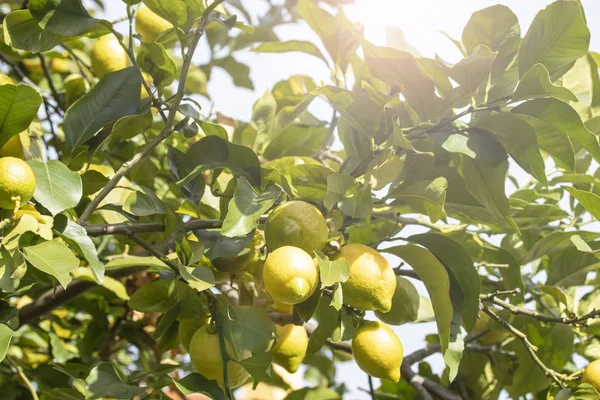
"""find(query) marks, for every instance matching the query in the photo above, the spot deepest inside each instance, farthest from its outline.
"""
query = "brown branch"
(127, 228)
(51, 85)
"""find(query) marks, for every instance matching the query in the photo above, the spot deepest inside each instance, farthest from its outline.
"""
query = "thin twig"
(24, 378)
(224, 356)
(371, 388)
(48, 76)
(510, 292)
(154, 251)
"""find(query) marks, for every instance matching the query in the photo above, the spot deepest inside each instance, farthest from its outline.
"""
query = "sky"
(421, 22)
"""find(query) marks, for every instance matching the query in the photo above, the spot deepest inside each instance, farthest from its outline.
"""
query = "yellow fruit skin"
(6, 80)
(207, 360)
(290, 346)
(377, 350)
(591, 374)
(405, 304)
(16, 179)
(149, 25)
(371, 283)
(108, 56)
(299, 224)
(12, 148)
(290, 275)
(187, 328)
(283, 308)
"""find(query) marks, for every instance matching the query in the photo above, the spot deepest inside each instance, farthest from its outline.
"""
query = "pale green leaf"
(53, 258)
(57, 187)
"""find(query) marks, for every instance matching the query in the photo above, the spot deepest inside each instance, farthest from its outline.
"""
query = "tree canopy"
(149, 211)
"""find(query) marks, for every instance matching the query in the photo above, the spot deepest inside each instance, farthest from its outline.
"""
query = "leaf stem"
(24, 378)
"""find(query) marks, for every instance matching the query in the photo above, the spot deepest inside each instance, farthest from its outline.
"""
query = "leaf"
(519, 139)
(5, 336)
(154, 59)
(328, 318)
(317, 393)
(470, 72)
(103, 381)
(199, 278)
(290, 46)
(173, 11)
(143, 202)
(22, 31)
(62, 394)
(581, 244)
(332, 272)
(157, 296)
(557, 37)
(76, 236)
(240, 73)
(114, 285)
(588, 200)
(196, 383)
(246, 207)
(569, 267)
(536, 83)
(57, 187)
(457, 259)
(564, 119)
(556, 242)
(53, 258)
(63, 17)
(19, 105)
(115, 96)
(425, 197)
(258, 330)
(437, 282)
(259, 366)
(473, 142)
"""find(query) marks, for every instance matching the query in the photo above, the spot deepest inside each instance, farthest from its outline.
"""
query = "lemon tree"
(155, 244)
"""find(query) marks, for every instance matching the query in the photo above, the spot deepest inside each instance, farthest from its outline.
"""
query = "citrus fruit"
(497, 333)
(371, 283)
(591, 374)
(187, 328)
(149, 25)
(108, 56)
(290, 346)
(207, 360)
(298, 224)
(405, 304)
(377, 350)
(290, 275)
(12, 148)
(6, 80)
(283, 308)
(59, 65)
(16, 179)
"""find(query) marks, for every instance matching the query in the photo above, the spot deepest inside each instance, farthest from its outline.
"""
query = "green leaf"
(196, 383)
(564, 119)
(290, 173)
(457, 259)
(57, 187)
(470, 72)
(240, 73)
(246, 207)
(556, 242)
(259, 366)
(328, 318)
(437, 281)
(556, 38)
(5, 336)
(115, 96)
(473, 142)
(426, 197)
(62, 394)
(199, 278)
(143, 202)
(497, 27)
(76, 236)
(157, 296)
(154, 59)
(536, 83)
(569, 267)
(53, 258)
(19, 105)
(258, 330)
(103, 381)
(519, 139)
(64, 17)
(296, 140)
(174, 11)
(588, 200)
(22, 31)
(332, 272)
(290, 46)
(317, 393)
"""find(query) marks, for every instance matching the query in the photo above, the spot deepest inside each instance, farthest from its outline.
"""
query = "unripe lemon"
(149, 25)
(59, 65)
(16, 179)
(497, 333)
(371, 283)
(12, 148)
(298, 224)
(207, 359)
(290, 275)
(108, 56)
(591, 374)
(405, 304)
(188, 327)
(6, 80)
(377, 350)
(290, 346)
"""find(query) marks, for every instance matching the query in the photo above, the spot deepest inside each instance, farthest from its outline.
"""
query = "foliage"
(150, 211)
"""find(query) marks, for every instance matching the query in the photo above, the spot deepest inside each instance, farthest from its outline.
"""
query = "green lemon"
(405, 304)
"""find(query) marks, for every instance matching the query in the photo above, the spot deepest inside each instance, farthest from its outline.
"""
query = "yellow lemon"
(207, 360)
(12, 148)
(16, 179)
(377, 350)
(290, 275)
(149, 25)
(591, 374)
(108, 56)
(405, 304)
(59, 65)
(371, 283)
(298, 224)
(283, 308)
(290, 346)
(188, 327)
(6, 80)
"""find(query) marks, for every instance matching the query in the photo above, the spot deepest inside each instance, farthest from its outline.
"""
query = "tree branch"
(127, 228)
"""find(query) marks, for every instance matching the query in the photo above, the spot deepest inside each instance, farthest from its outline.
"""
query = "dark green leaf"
(63, 17)
(19, 105)
(22, 31)
(157, 296)
(196, 383)
(258, 330)
(53, 258)
(154, 59)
